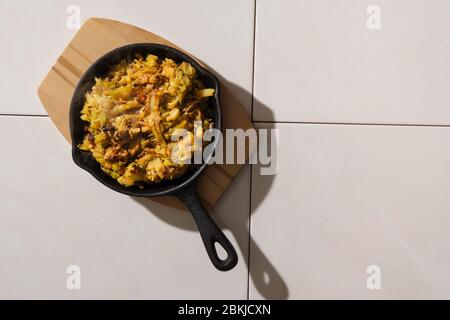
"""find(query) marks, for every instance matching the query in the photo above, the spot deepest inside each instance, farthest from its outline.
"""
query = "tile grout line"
(253, 60)
(251, 167)
(358, 124)
(23, 115)
(249, 232)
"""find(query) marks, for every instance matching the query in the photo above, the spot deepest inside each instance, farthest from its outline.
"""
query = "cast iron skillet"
(184, 187)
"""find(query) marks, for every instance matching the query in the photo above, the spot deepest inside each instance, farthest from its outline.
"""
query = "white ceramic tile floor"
(316, 61)
(55, 215)
(345, 198)
(34, 33)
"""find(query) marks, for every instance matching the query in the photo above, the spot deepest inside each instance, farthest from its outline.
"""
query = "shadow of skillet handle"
(208, 229)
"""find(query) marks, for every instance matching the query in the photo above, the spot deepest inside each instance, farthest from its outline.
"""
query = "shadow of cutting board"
(98, 36)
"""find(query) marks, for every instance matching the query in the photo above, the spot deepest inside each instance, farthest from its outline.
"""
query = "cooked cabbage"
(133, 112)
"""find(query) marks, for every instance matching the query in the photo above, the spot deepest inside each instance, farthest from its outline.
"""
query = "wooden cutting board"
(98, 36)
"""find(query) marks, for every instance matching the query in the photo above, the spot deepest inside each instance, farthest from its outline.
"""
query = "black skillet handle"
(209, 231)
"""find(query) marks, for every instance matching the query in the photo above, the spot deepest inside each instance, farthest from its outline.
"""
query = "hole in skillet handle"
(220, 251)
(209, 231)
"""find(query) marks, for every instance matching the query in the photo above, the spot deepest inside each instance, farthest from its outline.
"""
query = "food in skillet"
(134, 111)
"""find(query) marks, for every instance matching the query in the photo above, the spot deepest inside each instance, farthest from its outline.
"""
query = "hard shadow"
(264, 276)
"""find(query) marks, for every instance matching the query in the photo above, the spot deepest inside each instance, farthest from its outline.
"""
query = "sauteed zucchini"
(132, 114)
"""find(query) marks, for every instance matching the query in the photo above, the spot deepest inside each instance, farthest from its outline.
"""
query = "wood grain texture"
(98, 36)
